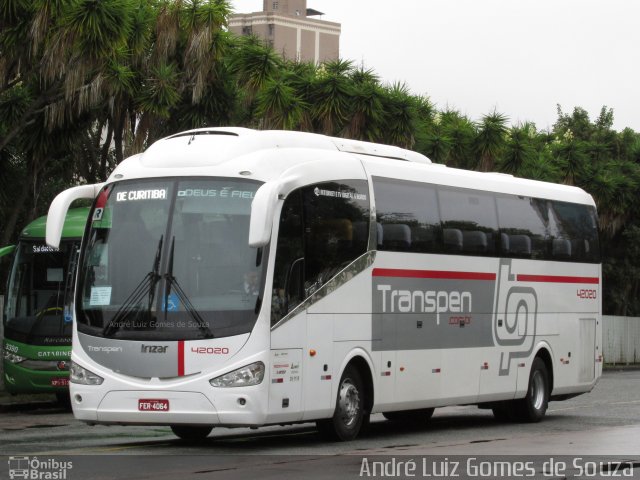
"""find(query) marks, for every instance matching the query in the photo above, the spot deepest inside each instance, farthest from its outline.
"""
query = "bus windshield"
(40, 287)
(170, 260)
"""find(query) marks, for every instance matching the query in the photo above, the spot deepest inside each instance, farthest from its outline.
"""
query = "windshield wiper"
(171, 281)
(145, 287)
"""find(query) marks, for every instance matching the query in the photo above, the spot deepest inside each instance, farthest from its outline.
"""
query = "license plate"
(153, 405)
(60, 382)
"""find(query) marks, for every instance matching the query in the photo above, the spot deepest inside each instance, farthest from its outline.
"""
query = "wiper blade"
(146, 287)
(171, 281)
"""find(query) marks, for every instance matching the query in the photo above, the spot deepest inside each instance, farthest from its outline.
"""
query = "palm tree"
(330, 98)
(399, 116)
(490, 140)
(518, 150)
(278, 106)
(366, 109)
(460, 131)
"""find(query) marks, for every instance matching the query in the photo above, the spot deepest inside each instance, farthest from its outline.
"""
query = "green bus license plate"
(153, 405)
(60, 382)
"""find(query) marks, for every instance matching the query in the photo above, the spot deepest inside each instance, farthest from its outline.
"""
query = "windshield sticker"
(172, 304)
(97, 214)
(319, 192)
(131, 195)
(100, 296)
(225, 192)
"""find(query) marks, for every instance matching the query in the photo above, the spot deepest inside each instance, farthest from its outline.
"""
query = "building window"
(271, 28)
(275, 5)
(247, 31)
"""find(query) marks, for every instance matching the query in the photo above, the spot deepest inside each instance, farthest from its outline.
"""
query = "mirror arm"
(59, 207)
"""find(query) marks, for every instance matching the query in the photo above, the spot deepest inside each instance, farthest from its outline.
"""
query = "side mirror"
(262, 208)
(7, 250)
(60, 206)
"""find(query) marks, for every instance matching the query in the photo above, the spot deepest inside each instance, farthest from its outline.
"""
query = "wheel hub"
(349, 403)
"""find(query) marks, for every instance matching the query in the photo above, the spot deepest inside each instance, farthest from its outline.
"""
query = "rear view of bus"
(37, 328)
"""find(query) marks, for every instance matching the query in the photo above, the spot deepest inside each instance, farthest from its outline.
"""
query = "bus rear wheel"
(534, 405)
(191, 433)
(349, 415)
(410, 416)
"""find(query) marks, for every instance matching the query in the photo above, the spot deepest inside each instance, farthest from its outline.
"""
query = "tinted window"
(575, 233)
(336, 230)
(407, 216)
(420, 217)
(469, 222)
(523, 226)
(289, 268)
(323, 228)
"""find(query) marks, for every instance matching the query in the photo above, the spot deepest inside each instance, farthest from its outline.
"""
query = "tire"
(534, 405)
(349, 415)
(410, 416)
(191, 433)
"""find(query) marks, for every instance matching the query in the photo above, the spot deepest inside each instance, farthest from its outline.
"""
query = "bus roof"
(73, 225)
(267, 155)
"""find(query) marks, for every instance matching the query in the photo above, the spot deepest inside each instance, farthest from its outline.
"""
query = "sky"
(519, 57)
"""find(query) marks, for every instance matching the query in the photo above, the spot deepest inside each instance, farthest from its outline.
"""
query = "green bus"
(37, 313)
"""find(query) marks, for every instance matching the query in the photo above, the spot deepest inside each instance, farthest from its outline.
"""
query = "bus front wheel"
(191, 433)
(349, 415)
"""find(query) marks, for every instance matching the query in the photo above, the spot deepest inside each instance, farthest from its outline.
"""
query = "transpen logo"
(425, 301)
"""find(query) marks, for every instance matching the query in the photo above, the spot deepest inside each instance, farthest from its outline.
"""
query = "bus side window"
(408, 216)
(289, 266)
(334, 212)
(472, 213)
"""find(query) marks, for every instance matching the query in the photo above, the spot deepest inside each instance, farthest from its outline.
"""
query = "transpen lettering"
(429, 301)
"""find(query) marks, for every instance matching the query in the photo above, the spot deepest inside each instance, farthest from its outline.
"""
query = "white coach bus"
(231, 277)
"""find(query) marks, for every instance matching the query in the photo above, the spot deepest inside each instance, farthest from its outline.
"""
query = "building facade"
(288, 27)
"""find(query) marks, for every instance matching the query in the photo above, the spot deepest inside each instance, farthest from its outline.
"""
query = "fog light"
(242, 401)
(78, 398)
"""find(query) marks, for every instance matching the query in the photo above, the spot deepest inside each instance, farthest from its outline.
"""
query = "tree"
(490, 140)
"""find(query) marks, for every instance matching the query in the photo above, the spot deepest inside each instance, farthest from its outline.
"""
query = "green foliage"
(85, 83)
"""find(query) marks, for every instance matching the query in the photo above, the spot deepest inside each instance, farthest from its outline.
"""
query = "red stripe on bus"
(557, 279)
(181, 358)
(443, 274)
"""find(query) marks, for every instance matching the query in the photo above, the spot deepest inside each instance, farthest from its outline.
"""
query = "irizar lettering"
(154, 348)
(429, 301)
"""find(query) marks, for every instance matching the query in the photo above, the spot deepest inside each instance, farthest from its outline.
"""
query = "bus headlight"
(242, 377)
(77, 374)
(12, 357)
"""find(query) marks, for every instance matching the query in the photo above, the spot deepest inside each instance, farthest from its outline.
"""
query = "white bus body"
(232, 277)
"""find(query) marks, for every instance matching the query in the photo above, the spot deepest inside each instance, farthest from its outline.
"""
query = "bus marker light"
(402, 369)
(435, 370)
(325, 377)
(312, 352)
(386, 374)
(277, 380)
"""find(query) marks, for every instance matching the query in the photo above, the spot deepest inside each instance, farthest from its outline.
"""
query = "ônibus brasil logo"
(37, 469)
